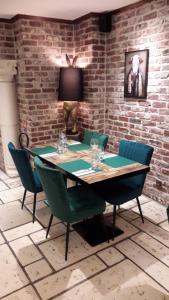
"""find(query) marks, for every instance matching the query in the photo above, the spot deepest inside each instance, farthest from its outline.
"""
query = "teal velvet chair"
(102, 138)
(69, 205)
(29, 178)
(124, 190)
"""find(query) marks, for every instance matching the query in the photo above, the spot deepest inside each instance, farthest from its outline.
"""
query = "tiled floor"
(133, 266)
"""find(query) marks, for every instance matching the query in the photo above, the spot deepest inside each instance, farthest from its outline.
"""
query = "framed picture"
(136, 74)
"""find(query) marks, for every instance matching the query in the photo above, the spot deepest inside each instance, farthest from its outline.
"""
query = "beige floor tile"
(25, 251)
(38, 269)
(78, 248)
(152, 246)
(13, 182)
(12, 215)
(12, 194)
(3, 186)
(129, 215)
(133, 203)
(165, 225)
(68, 277)
(55, 230)
(2, 241)
(146, 261)
(40, 197)
(128, 204)
(3, 175)
(153, 211)
(155, 231)
(109, 209)
(125, 281)
(110, 256)
(22, 230)
(11, 276)
(43, 213)
(26, 293)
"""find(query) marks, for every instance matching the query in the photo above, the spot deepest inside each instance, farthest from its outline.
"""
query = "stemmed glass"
(62, 142)
(101, 153)
(96, 154)
(94, 143)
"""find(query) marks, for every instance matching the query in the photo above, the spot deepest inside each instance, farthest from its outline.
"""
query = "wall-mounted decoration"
(71, 92)
(136, 74)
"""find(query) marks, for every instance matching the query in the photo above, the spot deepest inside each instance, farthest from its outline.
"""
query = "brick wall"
(41, 47)
(6, 41)
(144, 26)
(90, 48)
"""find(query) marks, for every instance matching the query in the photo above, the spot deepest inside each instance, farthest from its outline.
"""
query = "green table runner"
(78, 147)
(43, 150)
(75, 165)
(118, 161)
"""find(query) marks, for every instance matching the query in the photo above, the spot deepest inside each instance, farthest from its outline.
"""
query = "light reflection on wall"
(60, 61)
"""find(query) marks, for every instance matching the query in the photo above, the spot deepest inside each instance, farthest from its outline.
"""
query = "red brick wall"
(41, 47)
(142, 27)
(90, 48)
(6, 41)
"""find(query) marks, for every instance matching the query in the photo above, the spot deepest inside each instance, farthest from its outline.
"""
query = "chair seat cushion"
(84, 202)
(119, 192)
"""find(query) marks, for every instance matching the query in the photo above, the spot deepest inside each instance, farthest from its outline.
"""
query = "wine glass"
(61, 135)
(94, 143)
(101, 153)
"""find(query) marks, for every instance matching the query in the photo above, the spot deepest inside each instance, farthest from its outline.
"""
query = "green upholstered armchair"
(102, 138)
(29, 178)
(127, 189)
(69, 205)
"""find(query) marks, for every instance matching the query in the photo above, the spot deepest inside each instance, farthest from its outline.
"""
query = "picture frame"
(136, 74)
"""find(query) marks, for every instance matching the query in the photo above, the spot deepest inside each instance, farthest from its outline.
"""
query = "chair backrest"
(23, 166)
(139, 152)
(55, 189)
(88, 135)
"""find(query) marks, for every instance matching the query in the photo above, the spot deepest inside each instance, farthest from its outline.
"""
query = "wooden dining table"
(76, 164)
(78, 156)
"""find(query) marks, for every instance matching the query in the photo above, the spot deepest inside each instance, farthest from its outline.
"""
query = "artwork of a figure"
(136, 73)
(135, 79)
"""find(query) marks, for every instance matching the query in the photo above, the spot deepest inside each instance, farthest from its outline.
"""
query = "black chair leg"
(34, 207)
(139, 207)
(50, 223)
(114, 221)
(67, 240)
(23, 201)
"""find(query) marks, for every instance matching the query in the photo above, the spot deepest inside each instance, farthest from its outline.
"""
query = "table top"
(78, 157)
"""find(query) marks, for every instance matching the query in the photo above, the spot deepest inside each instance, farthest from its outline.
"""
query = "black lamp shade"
(70, 84)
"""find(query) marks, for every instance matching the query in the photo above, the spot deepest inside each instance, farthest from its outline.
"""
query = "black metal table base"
(96, 231)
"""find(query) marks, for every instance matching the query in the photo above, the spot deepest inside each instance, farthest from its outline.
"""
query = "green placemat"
(118, 161)
(75, 165)
(43, 150)
(78, 147)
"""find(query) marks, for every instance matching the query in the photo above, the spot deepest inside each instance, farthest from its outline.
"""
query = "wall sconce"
(71, 92)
